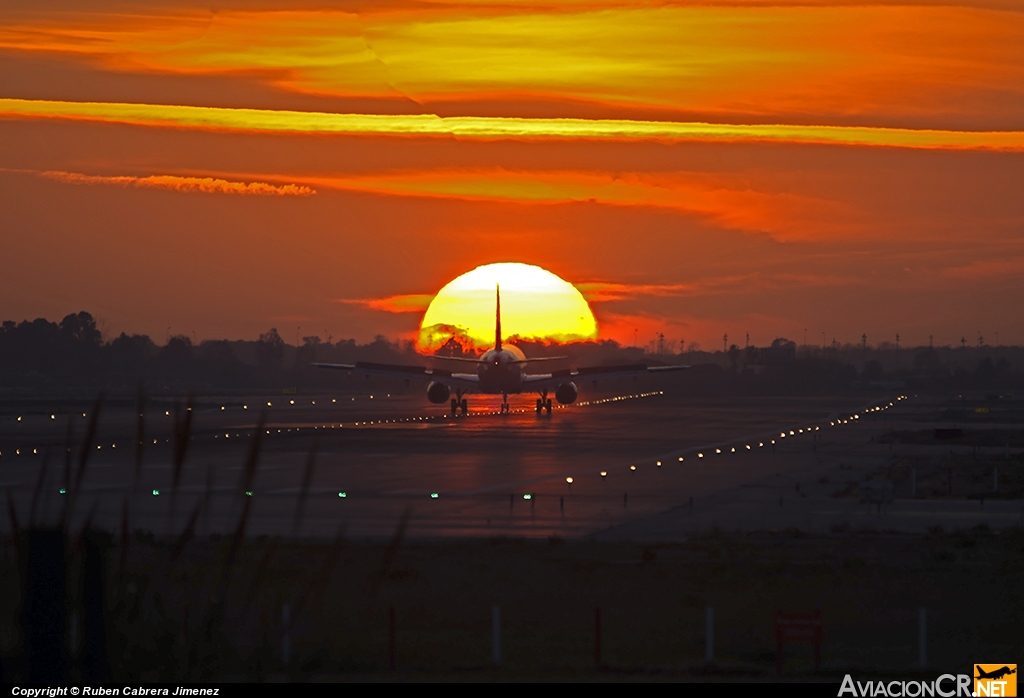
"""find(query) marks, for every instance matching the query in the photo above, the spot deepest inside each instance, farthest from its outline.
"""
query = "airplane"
(995, 673)
(499, 371)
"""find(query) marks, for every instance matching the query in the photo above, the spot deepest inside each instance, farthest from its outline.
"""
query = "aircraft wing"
(542, 381)
(464, 381)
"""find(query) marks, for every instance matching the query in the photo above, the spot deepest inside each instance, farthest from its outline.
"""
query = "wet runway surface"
(377, 459)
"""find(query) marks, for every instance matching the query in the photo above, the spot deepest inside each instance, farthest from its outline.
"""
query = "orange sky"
(697, 169)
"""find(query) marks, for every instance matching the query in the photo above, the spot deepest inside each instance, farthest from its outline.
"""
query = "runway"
(665, 456)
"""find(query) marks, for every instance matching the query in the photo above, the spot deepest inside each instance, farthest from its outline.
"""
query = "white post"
(496, 635)
(922, 637)
(286, 640)
(709, 635)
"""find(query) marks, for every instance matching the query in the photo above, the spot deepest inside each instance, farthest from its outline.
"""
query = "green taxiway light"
(156, 493)
(343, 494)
(433, 495)
(63, 491)
(248, 493)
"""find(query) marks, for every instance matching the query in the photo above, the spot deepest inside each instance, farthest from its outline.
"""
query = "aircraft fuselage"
(501, 371)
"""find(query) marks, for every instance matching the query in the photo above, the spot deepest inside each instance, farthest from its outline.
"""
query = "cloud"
(206, 185)
(604, 292)
(889, 59)
(409, 303)
(499, 127)
(730, 202)
(986, 269)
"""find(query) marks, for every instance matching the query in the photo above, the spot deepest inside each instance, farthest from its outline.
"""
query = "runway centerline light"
(680, 459)
(700, 455)
(569, 479)
(632, 467)
(604, 473)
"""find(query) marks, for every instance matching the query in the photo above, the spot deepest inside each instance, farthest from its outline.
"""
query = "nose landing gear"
(505, 408)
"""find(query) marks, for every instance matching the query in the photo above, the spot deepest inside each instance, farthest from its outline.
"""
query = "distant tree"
(177, 359)
(306, 354)
(81, 327)
(270, 351)
(130, 355)
(453, 347)
(219, 364)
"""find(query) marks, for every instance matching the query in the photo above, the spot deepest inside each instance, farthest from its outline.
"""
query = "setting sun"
(535, 304)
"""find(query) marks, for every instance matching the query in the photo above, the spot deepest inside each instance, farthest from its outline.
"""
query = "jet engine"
(566, 393)
(438, 393)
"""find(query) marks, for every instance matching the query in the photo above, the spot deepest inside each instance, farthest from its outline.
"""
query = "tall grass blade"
(140, 435)
(182, 437)
(38, 490)
(307, 478)
(13, 516)
(83, 461)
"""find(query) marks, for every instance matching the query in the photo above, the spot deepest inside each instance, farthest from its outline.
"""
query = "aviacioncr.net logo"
(995, 680)
(946, 686)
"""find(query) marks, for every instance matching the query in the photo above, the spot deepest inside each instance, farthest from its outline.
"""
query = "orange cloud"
(897, 60)
(206, 185)
(727, 202)
(986, 269)
(491, 128)
(409, 303)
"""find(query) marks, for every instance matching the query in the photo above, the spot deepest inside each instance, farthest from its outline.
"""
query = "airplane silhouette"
(994, 674)
(500, 371)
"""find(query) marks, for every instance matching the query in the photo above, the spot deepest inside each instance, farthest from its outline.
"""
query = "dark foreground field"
(214, 614)
(370, 537)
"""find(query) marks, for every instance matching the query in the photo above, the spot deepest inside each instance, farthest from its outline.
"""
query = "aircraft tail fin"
(497, 317)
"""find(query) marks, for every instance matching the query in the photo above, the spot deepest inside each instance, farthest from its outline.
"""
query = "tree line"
(74, 353)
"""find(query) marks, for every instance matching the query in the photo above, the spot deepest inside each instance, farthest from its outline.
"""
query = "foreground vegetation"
(268, 609)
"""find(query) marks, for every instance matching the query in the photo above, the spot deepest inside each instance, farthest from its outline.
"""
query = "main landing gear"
(459, 402)
(543, 403)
